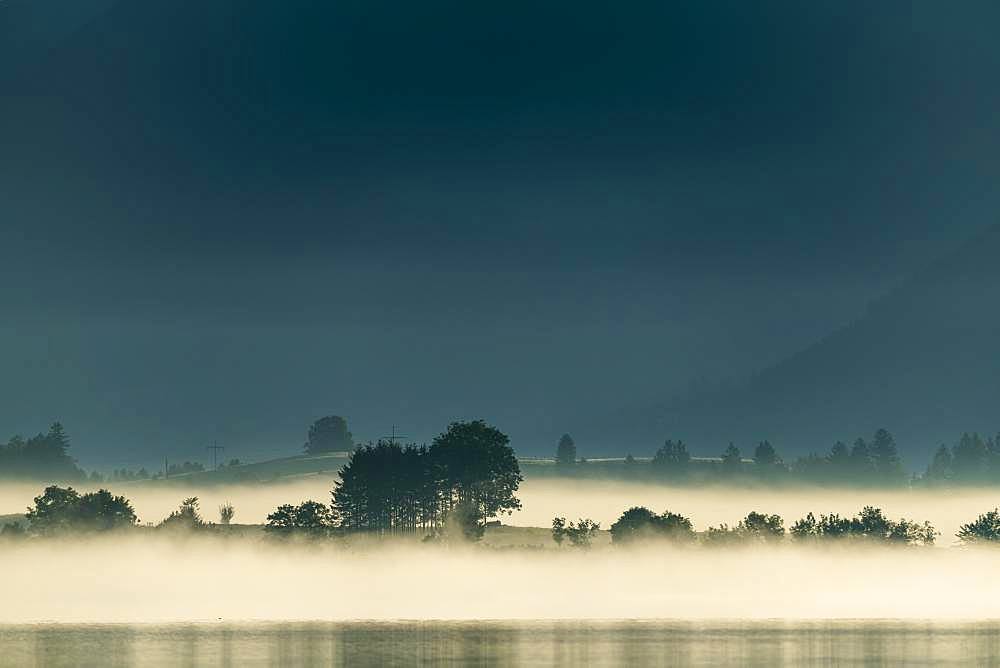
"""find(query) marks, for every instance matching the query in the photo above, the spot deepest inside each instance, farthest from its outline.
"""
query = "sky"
(223, 220)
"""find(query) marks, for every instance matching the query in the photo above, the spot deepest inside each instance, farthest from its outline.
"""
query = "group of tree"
(579, 533)
(972, 460)
(640, 524)
(309, 518)
(875, 461)
(43, 456)
(388, 488)
(870, 524)
(60, 510)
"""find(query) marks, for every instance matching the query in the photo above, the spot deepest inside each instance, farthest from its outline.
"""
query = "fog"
(148, 578)
(601, 501)
(151, 577)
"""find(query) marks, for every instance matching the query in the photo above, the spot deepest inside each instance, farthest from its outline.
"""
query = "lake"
(561, 643)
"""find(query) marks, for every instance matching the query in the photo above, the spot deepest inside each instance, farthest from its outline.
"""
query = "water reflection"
(504, 643)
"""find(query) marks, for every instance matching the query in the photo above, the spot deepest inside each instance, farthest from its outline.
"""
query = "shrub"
(639, 523)
(985, 529)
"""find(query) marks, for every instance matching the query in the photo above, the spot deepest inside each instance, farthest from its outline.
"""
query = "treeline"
(467, 475)
(874, 461)
(40, 456)
(61, 511)
(640, 524)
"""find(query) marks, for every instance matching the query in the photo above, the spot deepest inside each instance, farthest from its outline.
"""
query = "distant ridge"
(922, 361)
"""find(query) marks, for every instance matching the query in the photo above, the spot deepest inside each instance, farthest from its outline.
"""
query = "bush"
(186, 518)
(579, 533)
(639, 523)
(985, 529)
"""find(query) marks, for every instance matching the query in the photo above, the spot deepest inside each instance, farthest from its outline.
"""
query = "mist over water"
(149, 578)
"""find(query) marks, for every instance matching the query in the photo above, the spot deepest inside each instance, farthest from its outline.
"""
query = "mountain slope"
(923, 361)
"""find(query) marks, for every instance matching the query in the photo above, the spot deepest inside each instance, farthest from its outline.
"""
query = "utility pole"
(392, 439)
(215, 447)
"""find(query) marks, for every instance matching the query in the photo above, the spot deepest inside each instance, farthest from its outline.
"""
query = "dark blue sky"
(224, 219)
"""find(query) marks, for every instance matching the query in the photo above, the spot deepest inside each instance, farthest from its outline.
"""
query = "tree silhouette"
(640, 523)
(985, 529)
(885, 457)
(731, 459)
(328, 434)
(478, 468)
(63, 509)
(765, 457)
(44, 456)
(870, 525)
(187, 517)
(558, 530)
(862, 465)
(309, 517)
(762, 528)
(969, 458)
(226, 513)
(566, 451)
(940, 467)
(672, 458)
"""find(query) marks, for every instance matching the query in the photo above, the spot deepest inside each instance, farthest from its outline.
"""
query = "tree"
(731, 459)
(640, 523)
(103, 511)
(43, 456)
(478, 468)
(969, 458)
(309, 517)
(60, 510)
(765, 456)
(185, 518)
(862, 466)
(672, 458)
(985, 529)
(941, 464)
(329, 434)
(885, 458)
(558, 530)
(56, 510)
(763, 528)
(581, 533)
(226, 513)
(566, 451)
(461, 524)
(388, 488)
(839, 457)
(804, 528)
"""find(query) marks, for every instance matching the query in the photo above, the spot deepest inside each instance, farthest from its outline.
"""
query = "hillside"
(922, 361)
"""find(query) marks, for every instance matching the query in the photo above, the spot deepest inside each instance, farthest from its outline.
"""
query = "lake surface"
(567, 643)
